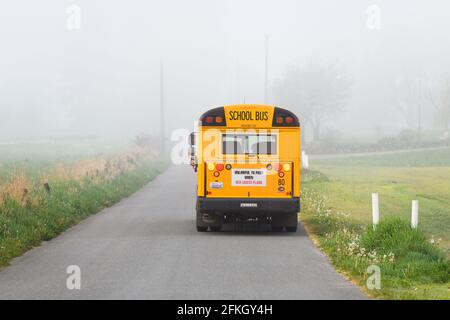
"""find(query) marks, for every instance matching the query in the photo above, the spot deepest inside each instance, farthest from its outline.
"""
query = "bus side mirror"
(192, 139)
(193, 158)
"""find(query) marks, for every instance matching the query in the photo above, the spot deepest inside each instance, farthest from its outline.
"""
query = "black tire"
(200, 225)
(291, 222)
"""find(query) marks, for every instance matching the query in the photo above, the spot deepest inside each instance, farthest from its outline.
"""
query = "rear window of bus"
(251, 144)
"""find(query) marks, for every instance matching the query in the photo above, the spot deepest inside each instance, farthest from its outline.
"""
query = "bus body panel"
(249, 180)
(289, 142)
(246, 182)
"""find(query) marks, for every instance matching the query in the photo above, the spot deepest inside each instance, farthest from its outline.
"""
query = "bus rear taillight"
(279, 120)
(219, 167)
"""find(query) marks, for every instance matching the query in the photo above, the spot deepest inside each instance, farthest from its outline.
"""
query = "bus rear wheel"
(289, 221)
(200, 225)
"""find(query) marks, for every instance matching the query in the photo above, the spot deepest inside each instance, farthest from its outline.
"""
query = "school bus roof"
(249, 116)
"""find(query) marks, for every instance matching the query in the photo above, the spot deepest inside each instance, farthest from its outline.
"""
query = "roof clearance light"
(286, 167)
(219, 119)
(219, 167)
(279, 120)
(289, 120)
(211, 166)
(209, 119)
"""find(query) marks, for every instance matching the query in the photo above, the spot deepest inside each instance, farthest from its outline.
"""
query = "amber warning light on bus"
(214, 117)
(284, 118)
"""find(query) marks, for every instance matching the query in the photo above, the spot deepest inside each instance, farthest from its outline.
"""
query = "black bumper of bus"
(248, 206)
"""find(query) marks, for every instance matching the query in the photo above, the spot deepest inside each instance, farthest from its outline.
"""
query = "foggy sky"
(104, 78)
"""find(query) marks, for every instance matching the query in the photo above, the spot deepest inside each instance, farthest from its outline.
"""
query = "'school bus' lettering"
(248, 115)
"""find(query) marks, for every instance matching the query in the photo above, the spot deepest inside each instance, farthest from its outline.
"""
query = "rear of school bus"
(248, 167)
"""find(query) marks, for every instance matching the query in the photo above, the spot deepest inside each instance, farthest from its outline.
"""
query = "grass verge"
(411, 266)
(24, 224)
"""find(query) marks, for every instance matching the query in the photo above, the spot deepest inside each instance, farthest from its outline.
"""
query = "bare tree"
(413, 99)
(442, 106)
(408, 94)
(315, 90)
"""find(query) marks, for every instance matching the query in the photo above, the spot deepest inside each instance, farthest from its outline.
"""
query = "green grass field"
(46, 188)
(398, 179)
(428, 158)
(336, 208)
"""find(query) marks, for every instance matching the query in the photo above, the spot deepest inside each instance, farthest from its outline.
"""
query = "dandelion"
(391, 257)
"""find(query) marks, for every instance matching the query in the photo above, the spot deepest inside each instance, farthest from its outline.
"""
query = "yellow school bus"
(247, 159)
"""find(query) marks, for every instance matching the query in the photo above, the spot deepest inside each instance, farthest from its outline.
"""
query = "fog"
(103, 78)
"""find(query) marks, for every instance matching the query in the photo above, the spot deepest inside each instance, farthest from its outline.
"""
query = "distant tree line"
(316, 91)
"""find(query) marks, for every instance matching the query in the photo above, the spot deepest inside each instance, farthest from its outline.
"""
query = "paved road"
(146, 247)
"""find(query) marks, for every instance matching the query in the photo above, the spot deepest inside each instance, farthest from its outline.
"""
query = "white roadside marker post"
(305, 160)
(415, 214)
(375, 210)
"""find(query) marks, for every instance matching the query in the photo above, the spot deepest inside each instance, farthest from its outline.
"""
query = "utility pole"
(419, 112)
(161, 120)
(266, 76)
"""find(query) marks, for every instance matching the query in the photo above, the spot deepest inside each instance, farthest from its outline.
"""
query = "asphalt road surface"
(147, 247)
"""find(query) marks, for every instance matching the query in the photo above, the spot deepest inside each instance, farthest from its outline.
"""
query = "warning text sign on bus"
(249, 177)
